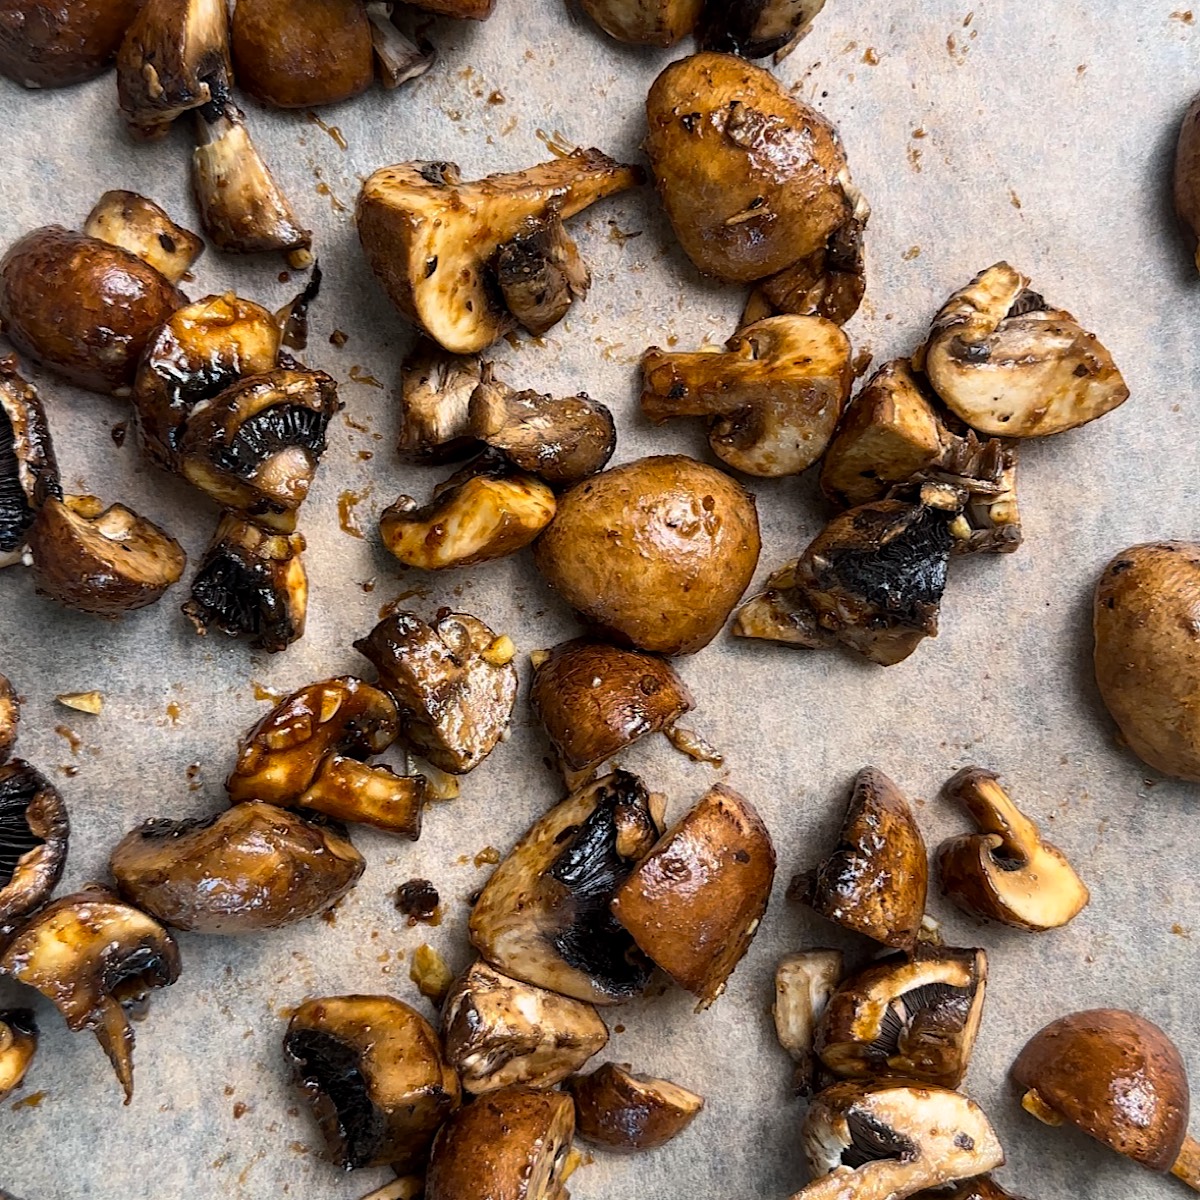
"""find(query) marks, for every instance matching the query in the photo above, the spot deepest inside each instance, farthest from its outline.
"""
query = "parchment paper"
(1040, 133)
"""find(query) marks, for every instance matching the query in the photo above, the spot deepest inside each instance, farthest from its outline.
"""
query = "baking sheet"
(1036, 132)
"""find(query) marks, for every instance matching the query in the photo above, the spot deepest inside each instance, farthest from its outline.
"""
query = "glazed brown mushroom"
(627, 1113)
(499, 1031)
(645, 22)
(373, 1073)
(140, 226)
(34, 834)
(1186, 179)
(803, 984)
(540, 273)
(252, 867)
(55, 43)
(28, 469)
(10, 718)
(757, 28)
(348, 790)
(94, 958)
(18, 1045)
(435, 399)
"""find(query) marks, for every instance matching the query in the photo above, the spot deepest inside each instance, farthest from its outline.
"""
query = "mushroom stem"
(1187, 1165)
(115, 1035)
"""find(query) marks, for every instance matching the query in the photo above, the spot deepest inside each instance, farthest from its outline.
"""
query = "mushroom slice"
(540, 273)
(454, 683)
(435, 398)
(499, 1031)
(1011, 366)
(10, 718)
(94, 957)
(645, 22)
(49, 43)
(348, 790)
(251, 582)
(373, 1073)
(101, 560)
(34, 833)
(252, 867)
(803, 984)
(886, 1141)
(397, 57)
(433, 240)
(876, 880)
(627, 1113)
(18, 1045)
(695, 902)
(757, 28)
(544, 917)
(1006, 873)
(773, 398)
(140, 226)
(28, 469)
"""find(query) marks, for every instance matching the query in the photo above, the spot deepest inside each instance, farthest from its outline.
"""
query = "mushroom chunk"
(983, 1188)
(1186, 178)
(757, 28)
(55, 43)
(348, 790)
(773, 399)
(18, 1045)
(28, 469)
(544, 917)
(1006, 873)
(398, 58)
(252, 867)
(462, 10)
(540, 273)
(628, 1113)
(373, 1073)
(803, 984)
(140, 226)
(433, 240)
(10, 717)
(454, 683)
(499, 1031)
(94, 958)
(1010, 365)
(101, 560)
(435, 400)
(645, 22)
(34, 833)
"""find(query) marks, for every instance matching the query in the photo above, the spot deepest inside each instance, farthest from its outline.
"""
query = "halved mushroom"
(645, 22)
(499, 1031)
(1011, 366)
(773, 398)
(435, 398)
(94, 958)
(372, 1070)
(454, 683)
(10, 718)
(540, 273)
(348, 790)
(252, 867)
(52, 43)
(627, 1113)
(34, 834)
(101, 560)
(757, 28)
(886, 1141)
(543, 917)
(803, 984)
(398, 57)
(1007, 872)
(140, 226)
(433, 240)
(28, 470)
(18, 1045)
(876, 880)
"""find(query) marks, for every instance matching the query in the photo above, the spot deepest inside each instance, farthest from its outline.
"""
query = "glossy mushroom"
(18, 1045)
(645, 22)
(134, 223)
(757, 28)
(56, 43)
(28, 469)
(804, 981)
(34, 835)
(627, 1113)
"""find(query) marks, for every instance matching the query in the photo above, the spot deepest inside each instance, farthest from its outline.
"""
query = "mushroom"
(10, 718)
(252, 867)
(1186, 178)
(499, 1031)
(18, 1045)
(101, 560)
(773, 399)
(1009, 365)
(251, 581)
(398, 58)
(627, 1113)
(140, 226)
(513, 1144)
(373, 1073)
(695, 902)
(540, 273)
(645, 22)
(757, 28)
(96, 960)
(803, 984)
(875, 881)
(52, 43)
(655, 552)
(435, 398)
(463, 10)
(28, 469)
(886, 1141)
(543, 917)
(983, 1188)
(433, 240)
(348, 790)
(34, 834)
(454, 683)
(1006, 872)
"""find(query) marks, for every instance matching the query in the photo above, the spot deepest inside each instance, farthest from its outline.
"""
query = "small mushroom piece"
(95, 959)
(435, 400)
(645, 22)
(101, 560)
(10, 718)
(56, 43)
(543, 917)
(140, 226)
(18, 1045)
(372, 1071)
(540, 273)
(875, 881)
(398, 57)
(756, 28)
(252, 867)
(627, 1113)
(1011, 366)
(1186, 178)
(983, 1188)
(803, 984)
(454, 683)
(34, 834)
(28, 469)
(499, 1031)
(1006, 872)
(348, 790)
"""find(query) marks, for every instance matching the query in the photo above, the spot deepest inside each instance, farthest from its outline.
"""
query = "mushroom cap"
(34, 834)
(653, 23)
(1186, 177)
(28, 468)
(55, 43)
(758, 28)
(628, 1113)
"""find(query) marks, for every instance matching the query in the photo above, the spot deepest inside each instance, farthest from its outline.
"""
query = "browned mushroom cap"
(435, 399)
(645, 22)
(757, 28)
(627, 1113)
(93, 958)
(55, 43)
(803, 984)
(499, 1031)
(101, 560)
(1186, 189)
(28, 469)
(510, 1145)
(10, 718)
(540, 273)
(18, 1045)
(252, 867)
(140, 226)
(372, 1071)
(454, 683)
(877, 877)
(34, 833)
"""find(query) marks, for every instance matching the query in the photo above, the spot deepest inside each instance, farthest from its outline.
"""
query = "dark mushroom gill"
(269, 431)
(17, 791)
(872, 1141)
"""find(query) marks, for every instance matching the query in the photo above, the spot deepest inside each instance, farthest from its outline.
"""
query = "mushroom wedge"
(757, 28)
(804, 981)
(18, 1045)
(435, 400)
(627, 1113)
(34, 834)
(28, 469)
(136, 224)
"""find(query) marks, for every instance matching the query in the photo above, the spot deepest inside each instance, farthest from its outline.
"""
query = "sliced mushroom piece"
(28, 469)
(56, 43)
(348, 790)
(435, 399)
(372, 1071)
(398, 57)
(540, 273)
(10, 718)
(627, 1113)
(95, 959)
(34, 834)
(140, 226)
(803, 984)
(18, 1045)
(780, 613)
(543, 917)
(757, 28)
(645, 22)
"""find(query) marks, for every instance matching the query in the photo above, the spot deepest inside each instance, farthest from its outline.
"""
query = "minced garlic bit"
(538, 657)
(501, 652)
(88, 702)
(430, 973)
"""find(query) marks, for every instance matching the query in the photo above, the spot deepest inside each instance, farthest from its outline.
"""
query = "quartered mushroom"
(140, 226)
(543, 917)
(645, 22)
(803, 984)
(346, 789)
(499, 1031)
(1006, 872)
(28, 469)
(626, 1113)
(52, 44)
(757, 28)
(34, 834)
(252, 867)
(372, 1071)
(435, 400)
(18, 1045)
(10, 718)
(96, 959)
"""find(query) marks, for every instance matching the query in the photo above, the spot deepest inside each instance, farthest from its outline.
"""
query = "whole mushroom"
(55, 43)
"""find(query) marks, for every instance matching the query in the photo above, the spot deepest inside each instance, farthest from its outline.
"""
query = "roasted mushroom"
(435, 399)
(94, 958)
(628, 1113)
(1186, 179)
(757, 28)
(540, 273)
(803, 984)
(499, 1031)
(463, 10)
(34, 833)
(55, 43)
(18, 1045)
(140, 226)
(983, 1188)
(645, 22)
(372, 1070)
(543, 917)
(398, 57)
(252, 867)
(28, 470)
(348, 790)
(10, 718)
